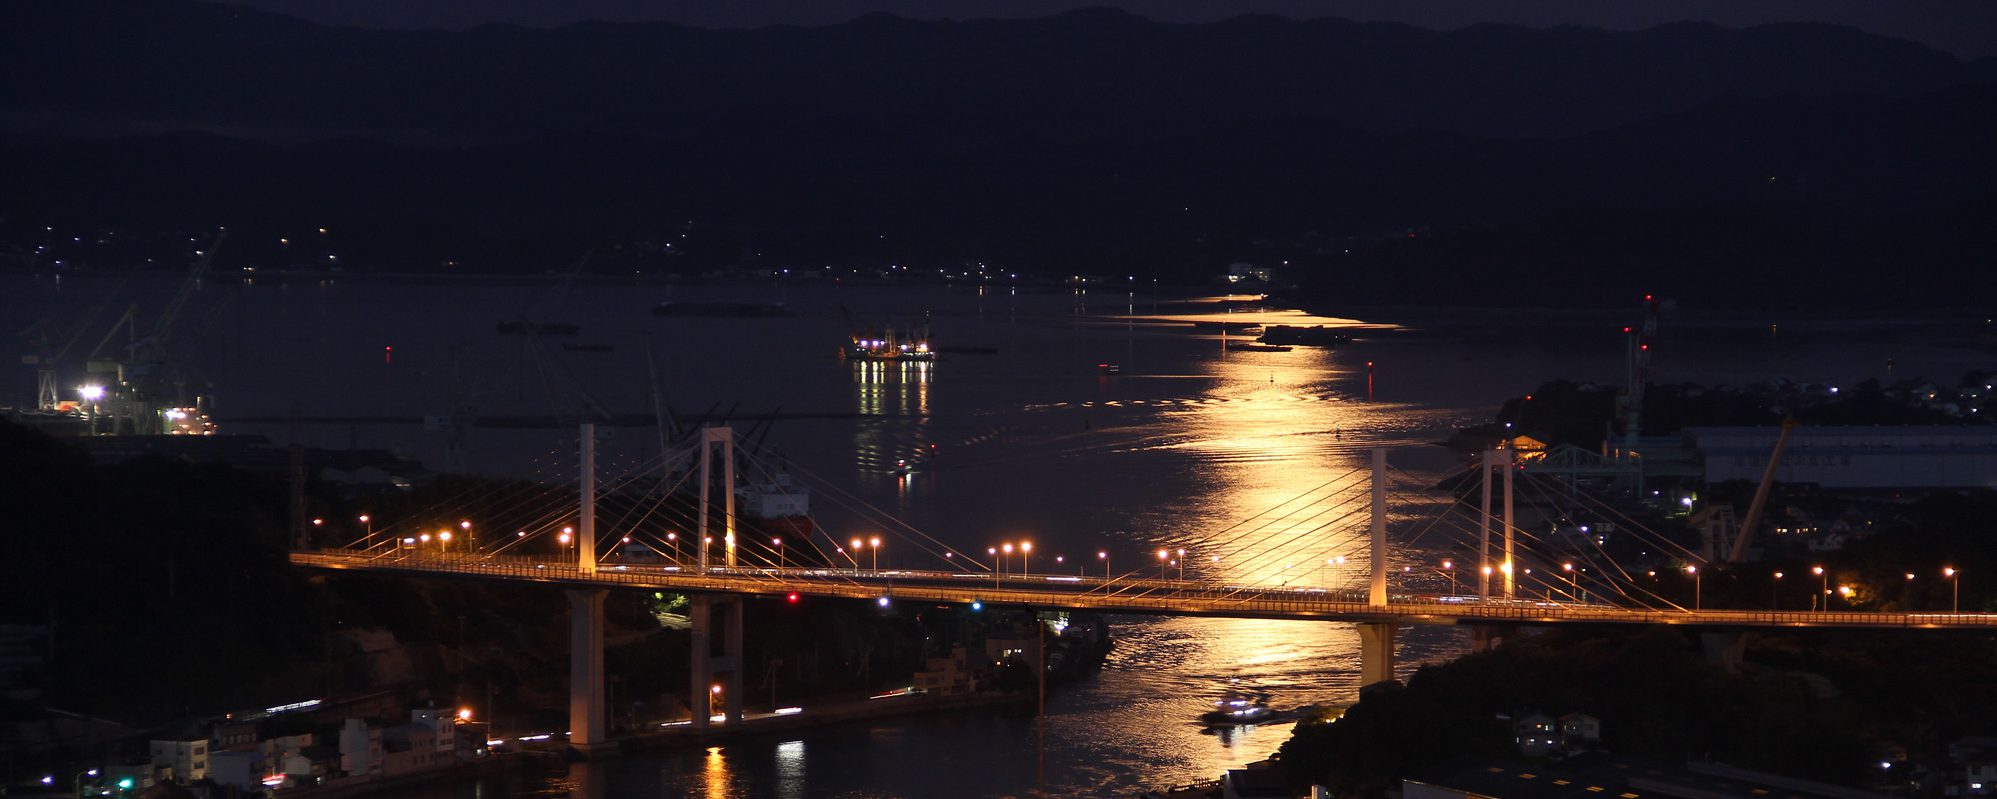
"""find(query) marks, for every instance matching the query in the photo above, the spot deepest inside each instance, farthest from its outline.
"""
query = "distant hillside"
(1785, 164)
(149, 65)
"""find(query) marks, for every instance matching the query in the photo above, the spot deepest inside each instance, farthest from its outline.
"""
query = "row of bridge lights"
(1166, 560)
(1952, 574)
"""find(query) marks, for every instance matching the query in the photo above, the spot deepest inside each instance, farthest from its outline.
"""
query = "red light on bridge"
(793, 597)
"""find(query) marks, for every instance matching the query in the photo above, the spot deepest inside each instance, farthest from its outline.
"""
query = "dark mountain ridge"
(138, 65)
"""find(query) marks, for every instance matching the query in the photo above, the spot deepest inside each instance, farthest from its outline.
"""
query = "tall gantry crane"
(137, 397)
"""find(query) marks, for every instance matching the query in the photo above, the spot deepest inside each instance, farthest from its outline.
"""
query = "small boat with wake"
(1242, 708)
(1238, 707)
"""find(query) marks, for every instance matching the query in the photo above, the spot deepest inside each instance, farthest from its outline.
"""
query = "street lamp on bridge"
(1103, 555)
(1449, 568)
(1955, 588)
(1163, 556)
(1773, 587)
(874, 543)
(1696, 583)
(1826, 587)
(1026, 557)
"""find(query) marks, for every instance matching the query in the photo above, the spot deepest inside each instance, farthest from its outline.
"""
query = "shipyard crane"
(139, 372)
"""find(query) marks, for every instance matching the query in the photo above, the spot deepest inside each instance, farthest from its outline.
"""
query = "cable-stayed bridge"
(1322, 554)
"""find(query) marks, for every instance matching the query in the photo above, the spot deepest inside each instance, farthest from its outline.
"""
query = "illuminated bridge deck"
(1123, 594)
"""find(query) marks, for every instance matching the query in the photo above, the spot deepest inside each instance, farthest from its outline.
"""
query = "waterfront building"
(443, 726)
(947, 675)
(187, 759)
(360, 748)
(409, 748)
(241, 769)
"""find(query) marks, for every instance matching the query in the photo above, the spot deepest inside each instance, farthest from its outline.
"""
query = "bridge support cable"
(391, 531)
(1248, 554)
(1527, 546)
(1210, 538)
(1272, 553)
(1595, 554)
(1231, 541)
(888, 523)
(1643, 534)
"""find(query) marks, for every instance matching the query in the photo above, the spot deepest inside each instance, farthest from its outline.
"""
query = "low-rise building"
(360, 748)
(1580, 730)
(188, 760)
(947, 675)
(237, 768)
(409, 748)
(1536, 734)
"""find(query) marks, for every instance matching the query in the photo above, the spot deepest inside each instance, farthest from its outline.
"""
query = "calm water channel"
(1186, 442)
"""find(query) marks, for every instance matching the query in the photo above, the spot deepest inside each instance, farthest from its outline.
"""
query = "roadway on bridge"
(1122, 594)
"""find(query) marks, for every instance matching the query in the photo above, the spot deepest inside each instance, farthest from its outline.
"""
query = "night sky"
(1967, 28)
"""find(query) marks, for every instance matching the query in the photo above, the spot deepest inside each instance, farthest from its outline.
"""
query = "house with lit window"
(1536, 734)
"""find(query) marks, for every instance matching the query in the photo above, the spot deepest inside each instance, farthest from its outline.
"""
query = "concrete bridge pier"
(1376, 652)
(586, 711)
(707, 665)
(1724, 649)
(1486, 637)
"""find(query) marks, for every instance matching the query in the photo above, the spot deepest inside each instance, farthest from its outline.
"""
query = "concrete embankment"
(352, 786)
